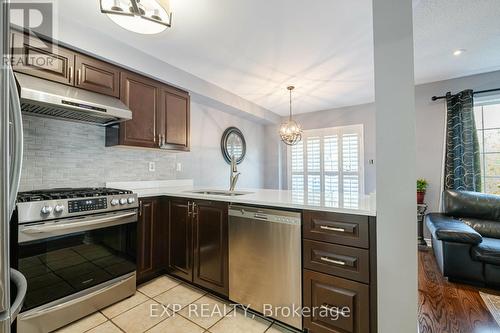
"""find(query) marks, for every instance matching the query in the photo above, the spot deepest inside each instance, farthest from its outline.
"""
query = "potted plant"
(421, 189)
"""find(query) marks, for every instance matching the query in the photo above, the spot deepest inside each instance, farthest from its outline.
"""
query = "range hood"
(50, 99)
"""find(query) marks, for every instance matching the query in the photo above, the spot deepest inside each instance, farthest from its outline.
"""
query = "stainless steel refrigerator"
(11, 151)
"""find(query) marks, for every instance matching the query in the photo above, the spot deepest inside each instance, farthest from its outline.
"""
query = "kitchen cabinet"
(174, 119)
(344, 303)
(160, 115)
(339, 260)
(198, 243)
(151, 235)
(180, 239)
(210, 251)
(36, 57)
(97, 76)
(141, 95)
(43, 59)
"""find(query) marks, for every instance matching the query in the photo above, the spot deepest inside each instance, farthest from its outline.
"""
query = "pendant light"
(140, 16)
(291, 132)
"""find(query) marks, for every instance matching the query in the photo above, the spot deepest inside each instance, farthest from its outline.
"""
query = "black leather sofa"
(466, 237)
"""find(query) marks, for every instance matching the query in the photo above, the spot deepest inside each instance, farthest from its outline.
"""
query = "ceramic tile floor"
(133, 315)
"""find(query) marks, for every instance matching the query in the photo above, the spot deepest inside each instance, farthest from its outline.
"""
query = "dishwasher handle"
(264, 214)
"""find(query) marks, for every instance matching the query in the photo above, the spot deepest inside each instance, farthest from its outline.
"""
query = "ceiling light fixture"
(458, 52)
(140, 16)
(291, 132)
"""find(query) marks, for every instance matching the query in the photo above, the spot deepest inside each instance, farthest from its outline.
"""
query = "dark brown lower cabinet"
(151, 239)
(198, 243)
(180, 239)
(210, 234)
(342, 306)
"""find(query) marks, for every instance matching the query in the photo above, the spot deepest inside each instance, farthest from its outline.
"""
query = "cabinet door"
(42, 59)
(141, 96)
(342, 305)
(97, 76)
(211, 246)
(145, 238)
(180, 252)
(174, 119)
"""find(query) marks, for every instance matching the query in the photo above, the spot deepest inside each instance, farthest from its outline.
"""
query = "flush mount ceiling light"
(458, 52)
(140, 16)
(291, 132)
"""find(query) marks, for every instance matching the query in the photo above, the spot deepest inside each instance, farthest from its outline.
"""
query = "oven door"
(63, 257)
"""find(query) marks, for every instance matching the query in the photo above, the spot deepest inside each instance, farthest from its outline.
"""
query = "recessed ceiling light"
(458, 52)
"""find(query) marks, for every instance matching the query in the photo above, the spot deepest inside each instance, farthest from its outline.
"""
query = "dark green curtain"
(462, 160)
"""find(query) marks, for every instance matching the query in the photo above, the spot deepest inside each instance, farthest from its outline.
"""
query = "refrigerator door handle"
(19, 280)
(17, 154)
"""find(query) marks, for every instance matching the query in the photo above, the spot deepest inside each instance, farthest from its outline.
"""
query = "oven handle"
(44, 228)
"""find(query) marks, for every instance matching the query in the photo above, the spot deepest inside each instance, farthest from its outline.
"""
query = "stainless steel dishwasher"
(265, 270)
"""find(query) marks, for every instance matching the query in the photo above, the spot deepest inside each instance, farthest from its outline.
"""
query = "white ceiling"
(255, 48)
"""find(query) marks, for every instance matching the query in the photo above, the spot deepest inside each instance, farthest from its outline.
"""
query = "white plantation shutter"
(327, 166)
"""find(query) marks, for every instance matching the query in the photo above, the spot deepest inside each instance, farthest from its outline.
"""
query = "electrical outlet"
(152, 166)
(179, 167)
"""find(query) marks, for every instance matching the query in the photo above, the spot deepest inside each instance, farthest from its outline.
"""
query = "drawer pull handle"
(334, 310)
(333, 261)
(325, 227)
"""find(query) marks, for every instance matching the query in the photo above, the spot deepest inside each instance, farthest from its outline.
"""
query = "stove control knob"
(131, 200)
(123, 201)
(114, 202)
(59, 209)
(46, 210)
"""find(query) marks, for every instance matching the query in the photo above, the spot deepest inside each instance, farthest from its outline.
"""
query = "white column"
(396, 172)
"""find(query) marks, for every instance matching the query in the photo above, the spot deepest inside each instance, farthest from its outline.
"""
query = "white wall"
(205, 164)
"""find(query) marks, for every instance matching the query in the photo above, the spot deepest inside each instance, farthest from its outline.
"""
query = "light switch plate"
(179, 166)
(152, 166)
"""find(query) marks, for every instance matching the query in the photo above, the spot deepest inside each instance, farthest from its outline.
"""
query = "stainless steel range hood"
(55, 100)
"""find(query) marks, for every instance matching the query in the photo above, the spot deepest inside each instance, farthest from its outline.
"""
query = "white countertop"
(261, 197)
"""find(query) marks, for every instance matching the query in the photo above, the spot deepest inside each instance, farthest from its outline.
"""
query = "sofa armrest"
(448, 229)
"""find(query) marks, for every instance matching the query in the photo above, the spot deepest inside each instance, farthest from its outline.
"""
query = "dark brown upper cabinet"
(160, 115)
(210, 239)
(174, 119)
(198, 243)
(42, 59)
(97, 76)
(141, 95)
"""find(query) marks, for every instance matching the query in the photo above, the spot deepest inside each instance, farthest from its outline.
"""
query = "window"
(487, 116)
(327, 167)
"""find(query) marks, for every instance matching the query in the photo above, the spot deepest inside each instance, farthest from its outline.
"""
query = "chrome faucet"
(234, 174)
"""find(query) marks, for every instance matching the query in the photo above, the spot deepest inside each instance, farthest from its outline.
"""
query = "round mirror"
(233, 144)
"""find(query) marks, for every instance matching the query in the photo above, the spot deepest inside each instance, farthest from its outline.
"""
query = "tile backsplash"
(59, 153)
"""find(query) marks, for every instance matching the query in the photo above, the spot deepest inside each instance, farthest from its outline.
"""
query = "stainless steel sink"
(220, 192)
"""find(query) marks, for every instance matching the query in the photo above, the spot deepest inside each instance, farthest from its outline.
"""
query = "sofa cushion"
(471, 204)
(485, 227)
(448, 229)
(488, 251)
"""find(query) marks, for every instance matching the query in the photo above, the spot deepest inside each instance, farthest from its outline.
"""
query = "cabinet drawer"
(351, 230)
(348, 262)
(341, 305)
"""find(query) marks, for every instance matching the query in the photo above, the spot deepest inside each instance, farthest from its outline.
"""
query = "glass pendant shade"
(140, 16)
(291, 131)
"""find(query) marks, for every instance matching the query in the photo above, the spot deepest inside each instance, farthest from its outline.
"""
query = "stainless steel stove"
(77, 249)
(61, 203)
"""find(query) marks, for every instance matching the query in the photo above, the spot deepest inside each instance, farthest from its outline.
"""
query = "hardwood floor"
(449, 307)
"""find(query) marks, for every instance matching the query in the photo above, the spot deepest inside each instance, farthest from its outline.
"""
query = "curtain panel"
(462, 155)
